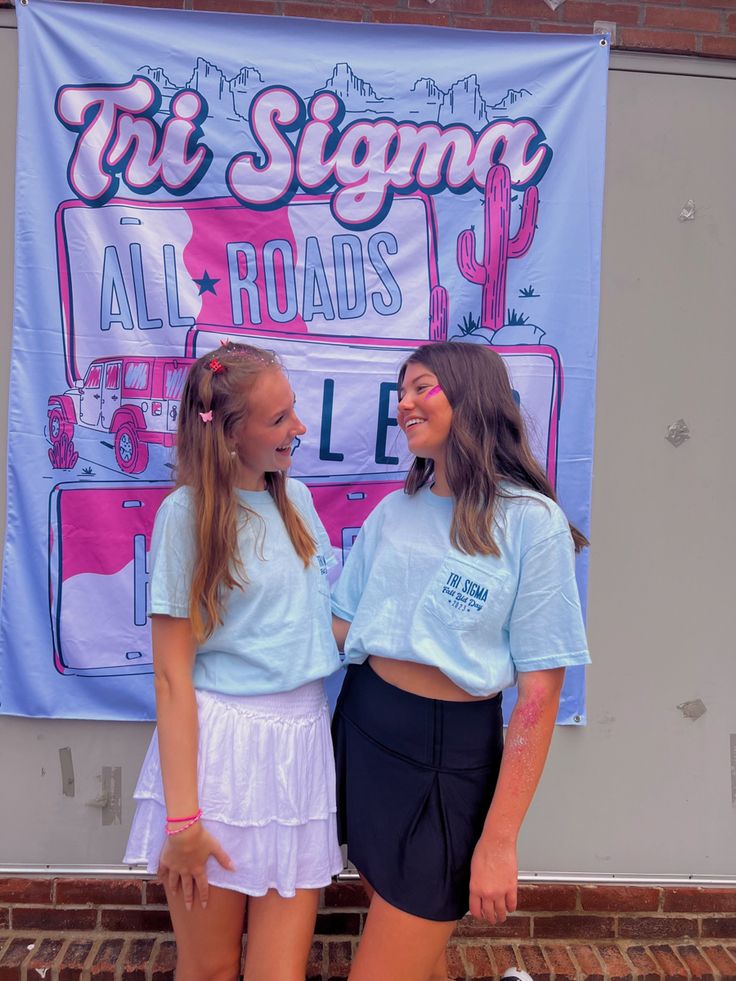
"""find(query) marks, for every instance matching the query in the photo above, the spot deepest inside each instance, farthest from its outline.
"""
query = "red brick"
(646, 969)
(560, 962)
(339, 958)
(669, 962)
(492, 24)
(315, 961)
(722, 4)
(721, 47)
(237, 6)
(564, 28)
(683, 18)
(505, 957)
(135, 959)
(338, 923)
(514, 926)
(534, 9)
(731, 24)
(620, 13)
(25, 890)
(155, 894)
(74, 959)
(695, 962)
(410, 17)
(616, 899)
(650, 40)
(145, 920)
(657, 927)
(724, 964)
(584, 927)
(322, 11)
(548, 898)
(456, 6)
(18, 950)
(99, 892)
(105, 961)
(719, 927)
(165, 962)
(455, 965)
(588, 961)
(617, 966)
(478, 964)
(346, 894)
(45, 955)
(699, 900)
(533, 959)
(48, 918)
(4, 917)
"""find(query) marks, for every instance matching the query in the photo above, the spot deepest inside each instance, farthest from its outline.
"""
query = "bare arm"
(340, 630)
(184, 855)
(493, 878)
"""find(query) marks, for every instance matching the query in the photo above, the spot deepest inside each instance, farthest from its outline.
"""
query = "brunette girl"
(236, 796)
(456, 588)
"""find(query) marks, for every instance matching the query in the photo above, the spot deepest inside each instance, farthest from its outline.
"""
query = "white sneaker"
(514, 974)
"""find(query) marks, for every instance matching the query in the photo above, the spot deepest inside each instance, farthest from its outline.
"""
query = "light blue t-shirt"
(276, 634)
(411, 596)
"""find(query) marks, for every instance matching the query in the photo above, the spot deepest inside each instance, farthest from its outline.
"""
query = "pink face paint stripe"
(433, 391)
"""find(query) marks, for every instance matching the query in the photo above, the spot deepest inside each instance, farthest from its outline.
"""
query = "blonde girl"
(235, 801)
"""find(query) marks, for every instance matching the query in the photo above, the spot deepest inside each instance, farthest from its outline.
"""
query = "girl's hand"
(493, 880)
(183, 861)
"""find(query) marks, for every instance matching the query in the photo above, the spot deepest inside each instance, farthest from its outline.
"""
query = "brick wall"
(119, 930)
(705, 27)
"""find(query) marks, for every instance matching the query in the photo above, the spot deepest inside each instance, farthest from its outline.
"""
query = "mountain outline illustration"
(229, 98)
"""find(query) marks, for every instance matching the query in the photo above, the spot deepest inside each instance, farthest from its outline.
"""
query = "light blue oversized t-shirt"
(276, 633)
(480, 619)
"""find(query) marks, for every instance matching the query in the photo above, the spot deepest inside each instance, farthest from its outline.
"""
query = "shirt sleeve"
(348, 590)
(172, 559)
(546, 622)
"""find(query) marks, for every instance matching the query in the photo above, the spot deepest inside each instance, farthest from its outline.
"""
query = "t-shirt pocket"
(464, 594)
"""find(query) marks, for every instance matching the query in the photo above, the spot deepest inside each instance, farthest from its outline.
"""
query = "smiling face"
(424, 413)
(264, 440)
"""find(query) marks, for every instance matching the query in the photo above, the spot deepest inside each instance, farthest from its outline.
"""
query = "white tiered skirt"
(266, 777)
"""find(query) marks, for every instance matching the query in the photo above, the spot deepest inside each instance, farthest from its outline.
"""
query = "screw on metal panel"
(677, 432)
(605, 27)
(577, 718)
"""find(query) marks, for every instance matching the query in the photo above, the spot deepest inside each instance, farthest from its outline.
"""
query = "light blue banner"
(339, 193)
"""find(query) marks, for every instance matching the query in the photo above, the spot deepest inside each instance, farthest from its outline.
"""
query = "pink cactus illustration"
(438, 314)
(498, 245)
(62, 454)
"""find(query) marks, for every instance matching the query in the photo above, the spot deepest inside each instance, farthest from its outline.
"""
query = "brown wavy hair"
(487, 442)
(206, 464)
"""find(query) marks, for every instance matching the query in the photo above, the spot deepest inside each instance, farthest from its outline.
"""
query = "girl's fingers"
(187, 888)
(203, 888)
(476, 907)
(173, 878)
(219, 853)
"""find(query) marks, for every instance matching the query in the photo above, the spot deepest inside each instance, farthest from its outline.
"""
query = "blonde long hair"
(487, 442)
(206, 464)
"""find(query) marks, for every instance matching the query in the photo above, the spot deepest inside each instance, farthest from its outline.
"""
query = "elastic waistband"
(432, 732)
(307, 700)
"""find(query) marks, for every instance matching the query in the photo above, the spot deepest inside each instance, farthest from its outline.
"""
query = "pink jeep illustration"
(135, 399)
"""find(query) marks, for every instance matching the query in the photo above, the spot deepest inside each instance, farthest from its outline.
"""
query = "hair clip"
(215, 366)
(225, 342)
(206, 416)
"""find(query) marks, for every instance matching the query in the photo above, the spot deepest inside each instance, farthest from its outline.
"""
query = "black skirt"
(415, 779)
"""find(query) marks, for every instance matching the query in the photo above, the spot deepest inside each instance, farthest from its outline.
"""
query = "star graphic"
(206, 284)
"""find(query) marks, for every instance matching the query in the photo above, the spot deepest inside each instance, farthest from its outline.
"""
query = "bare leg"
(208, 941)
(280, 935)
(439, 971)
(397, 946)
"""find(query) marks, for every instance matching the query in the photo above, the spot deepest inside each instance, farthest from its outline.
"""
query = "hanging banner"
(338, 193)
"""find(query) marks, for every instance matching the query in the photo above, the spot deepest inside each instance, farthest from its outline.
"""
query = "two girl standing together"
(454, 587)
